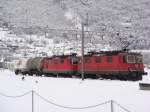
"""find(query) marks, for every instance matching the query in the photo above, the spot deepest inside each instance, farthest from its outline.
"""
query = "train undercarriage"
(125, 76)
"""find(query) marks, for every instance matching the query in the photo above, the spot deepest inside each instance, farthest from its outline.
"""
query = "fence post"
(112, 106)
(32, 101)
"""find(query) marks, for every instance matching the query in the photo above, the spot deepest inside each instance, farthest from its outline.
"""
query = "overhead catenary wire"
(52, 29)
(67, 107)
(18, 96)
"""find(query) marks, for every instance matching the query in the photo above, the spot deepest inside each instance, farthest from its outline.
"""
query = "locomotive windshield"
(139, 59)
(134, 59)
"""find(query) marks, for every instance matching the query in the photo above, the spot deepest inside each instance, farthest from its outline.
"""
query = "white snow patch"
(71, 92)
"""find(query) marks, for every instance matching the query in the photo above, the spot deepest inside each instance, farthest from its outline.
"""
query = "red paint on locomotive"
(113, 63)
(60, 65)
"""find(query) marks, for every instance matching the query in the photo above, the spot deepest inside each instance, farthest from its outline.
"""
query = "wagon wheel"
(30, 74)
(39, 74)
(140, 77)
(17, 72)
(134, 76)
(23, 73)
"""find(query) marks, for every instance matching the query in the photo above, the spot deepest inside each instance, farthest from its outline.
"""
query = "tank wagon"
(122, 65)
(21, 67)
(34, 66)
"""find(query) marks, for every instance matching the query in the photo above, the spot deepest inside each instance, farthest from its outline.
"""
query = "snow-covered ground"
(72, 93)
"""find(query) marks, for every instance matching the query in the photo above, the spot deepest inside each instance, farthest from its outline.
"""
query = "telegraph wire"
(2, 94)
(67, 107)
(51, 29)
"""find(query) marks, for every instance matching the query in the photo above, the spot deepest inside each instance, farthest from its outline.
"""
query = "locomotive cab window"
(139, 59)
(109, 59)
(124, 59)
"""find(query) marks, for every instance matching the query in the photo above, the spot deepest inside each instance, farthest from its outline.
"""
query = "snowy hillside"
(70, 93)
(22, 46)
(120, 19)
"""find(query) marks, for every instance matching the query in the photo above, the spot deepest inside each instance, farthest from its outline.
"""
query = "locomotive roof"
(110, 53)
(63, 56)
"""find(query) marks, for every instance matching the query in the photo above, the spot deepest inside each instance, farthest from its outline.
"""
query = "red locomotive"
(105, 64)
(65, 65)
(113, 64)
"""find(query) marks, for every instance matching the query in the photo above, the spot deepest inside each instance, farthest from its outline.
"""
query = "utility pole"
(82, 52)
(62, 4)
(26, 22)
(112, 106)
(9, 18)
(87, 21)
(45, 31)
(32, 101)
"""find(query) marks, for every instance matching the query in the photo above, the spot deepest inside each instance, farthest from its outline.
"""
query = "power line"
(67, 107)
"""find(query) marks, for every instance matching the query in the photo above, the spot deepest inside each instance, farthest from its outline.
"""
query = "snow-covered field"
(72, 93)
